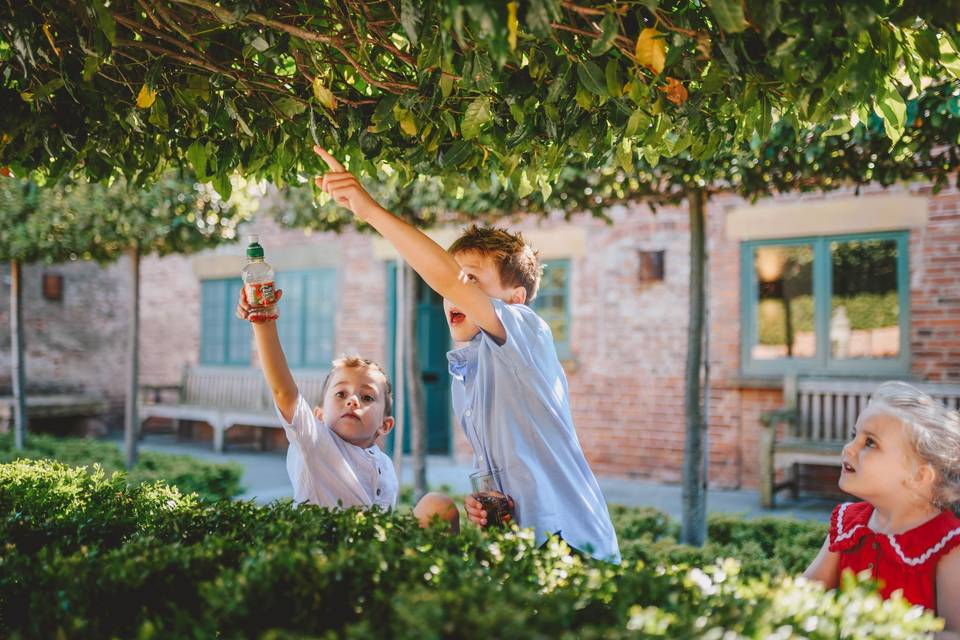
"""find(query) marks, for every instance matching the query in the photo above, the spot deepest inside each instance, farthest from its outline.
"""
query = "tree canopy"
(473, 93)
(74, 219)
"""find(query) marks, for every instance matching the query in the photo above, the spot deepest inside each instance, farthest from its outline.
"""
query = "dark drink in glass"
(488, 491)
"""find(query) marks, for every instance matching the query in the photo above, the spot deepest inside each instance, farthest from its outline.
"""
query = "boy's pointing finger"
(332, 162)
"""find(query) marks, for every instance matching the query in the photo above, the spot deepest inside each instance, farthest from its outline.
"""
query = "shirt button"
(468, 412)
(869, 566)
(480, 458)
(379, 471)
(378, 491)
(876, 545)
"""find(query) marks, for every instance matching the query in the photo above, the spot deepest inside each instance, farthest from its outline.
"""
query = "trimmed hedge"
(764, 546)
(211, 481)
(87, 555)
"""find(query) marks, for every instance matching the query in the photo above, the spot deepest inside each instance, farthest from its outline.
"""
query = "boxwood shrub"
(211, 481)
(91, 555)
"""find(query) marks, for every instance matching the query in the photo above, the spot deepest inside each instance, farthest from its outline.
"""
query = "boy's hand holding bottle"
(258, 298)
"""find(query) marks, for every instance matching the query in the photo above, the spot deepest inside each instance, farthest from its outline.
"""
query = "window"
(224, 340)
(306, 323)
(553, 302)
(831, 304)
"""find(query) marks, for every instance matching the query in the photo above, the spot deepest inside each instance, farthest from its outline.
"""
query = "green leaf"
(105, 20)
(477, 115)
(927, 45)
(638, 120)
(290, 107)
(383, 117)
(525, 187)
(221, 182)
(609, 27)
(158, 115)
(729, 15)
(592, 79)
(90, 66)
(450, 121)
(540, 13)
(410, 17)
(197, 156)
(893, 111)
(614, 81)
(949, 58)
(456, 154)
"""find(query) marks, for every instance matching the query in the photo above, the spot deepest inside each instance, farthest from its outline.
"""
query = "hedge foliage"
(90, 555)
(212, 481)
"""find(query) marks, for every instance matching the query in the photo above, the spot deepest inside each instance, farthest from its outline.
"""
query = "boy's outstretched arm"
(437, 267)
(272, 360)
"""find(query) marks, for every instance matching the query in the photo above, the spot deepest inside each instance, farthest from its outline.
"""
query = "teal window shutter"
(553, 302)
(831, 305)
(224, 339)
(307, 317)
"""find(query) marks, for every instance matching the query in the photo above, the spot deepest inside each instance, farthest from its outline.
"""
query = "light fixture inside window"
(53, 287)
(652, 266)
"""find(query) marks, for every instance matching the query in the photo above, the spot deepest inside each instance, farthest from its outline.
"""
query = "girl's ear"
(518, 295)
(318, 411)
(386, 427)
(925, 477)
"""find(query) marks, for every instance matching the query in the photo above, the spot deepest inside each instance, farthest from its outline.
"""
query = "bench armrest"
(774, 417)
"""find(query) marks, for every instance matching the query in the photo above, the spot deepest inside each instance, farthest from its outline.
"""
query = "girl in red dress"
(904, 462)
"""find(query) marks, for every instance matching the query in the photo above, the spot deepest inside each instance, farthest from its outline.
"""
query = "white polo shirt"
(326, 470)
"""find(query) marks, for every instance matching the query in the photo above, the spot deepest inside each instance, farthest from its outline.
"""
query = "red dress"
(905, 561)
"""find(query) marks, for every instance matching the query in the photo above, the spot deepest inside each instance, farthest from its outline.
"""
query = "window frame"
(231, 325)
(563, 348)
(823, 362)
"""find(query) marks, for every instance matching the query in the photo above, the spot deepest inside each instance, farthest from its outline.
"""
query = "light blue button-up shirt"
(512, 402)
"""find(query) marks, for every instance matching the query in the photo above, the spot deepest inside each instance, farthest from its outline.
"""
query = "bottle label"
(261, 294)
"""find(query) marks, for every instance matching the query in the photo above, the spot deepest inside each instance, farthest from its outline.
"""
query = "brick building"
(837, 284)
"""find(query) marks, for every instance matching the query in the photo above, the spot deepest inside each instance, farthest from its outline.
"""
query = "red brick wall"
(935, 292)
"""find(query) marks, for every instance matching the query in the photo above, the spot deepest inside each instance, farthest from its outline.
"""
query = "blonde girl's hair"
(934, 432)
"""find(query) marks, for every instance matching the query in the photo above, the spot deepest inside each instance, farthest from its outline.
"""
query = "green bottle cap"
(254, 250)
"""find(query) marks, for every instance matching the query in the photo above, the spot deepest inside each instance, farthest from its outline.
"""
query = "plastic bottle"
(258, 280)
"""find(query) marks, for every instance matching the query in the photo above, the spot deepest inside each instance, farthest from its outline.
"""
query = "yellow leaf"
(408, 124)
(324, 95)
(512, 25)
(146, 97)
(651, 50)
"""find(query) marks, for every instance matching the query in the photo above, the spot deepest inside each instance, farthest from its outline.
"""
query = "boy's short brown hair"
(517, 263)
(354, 362)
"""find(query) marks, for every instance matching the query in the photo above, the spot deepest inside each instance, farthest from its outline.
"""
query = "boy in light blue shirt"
(509, 391)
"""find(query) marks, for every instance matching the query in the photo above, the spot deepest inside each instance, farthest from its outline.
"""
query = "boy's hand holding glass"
(245, 311)
(488, 505)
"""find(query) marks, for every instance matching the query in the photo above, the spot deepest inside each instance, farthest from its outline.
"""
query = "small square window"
(52, 285)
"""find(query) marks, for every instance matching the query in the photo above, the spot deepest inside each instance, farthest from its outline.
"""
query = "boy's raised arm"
(272, 361)
(437, 267)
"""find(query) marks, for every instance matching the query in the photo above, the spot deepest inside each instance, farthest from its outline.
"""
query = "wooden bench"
(819, 418)
(222, 397)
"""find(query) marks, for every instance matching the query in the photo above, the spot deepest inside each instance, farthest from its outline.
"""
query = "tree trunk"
(399, 368)
(694, 522)
(418, 432)
(131, 422)
(17, 359)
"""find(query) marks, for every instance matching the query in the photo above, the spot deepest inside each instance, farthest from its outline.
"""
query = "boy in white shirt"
(333, 459)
